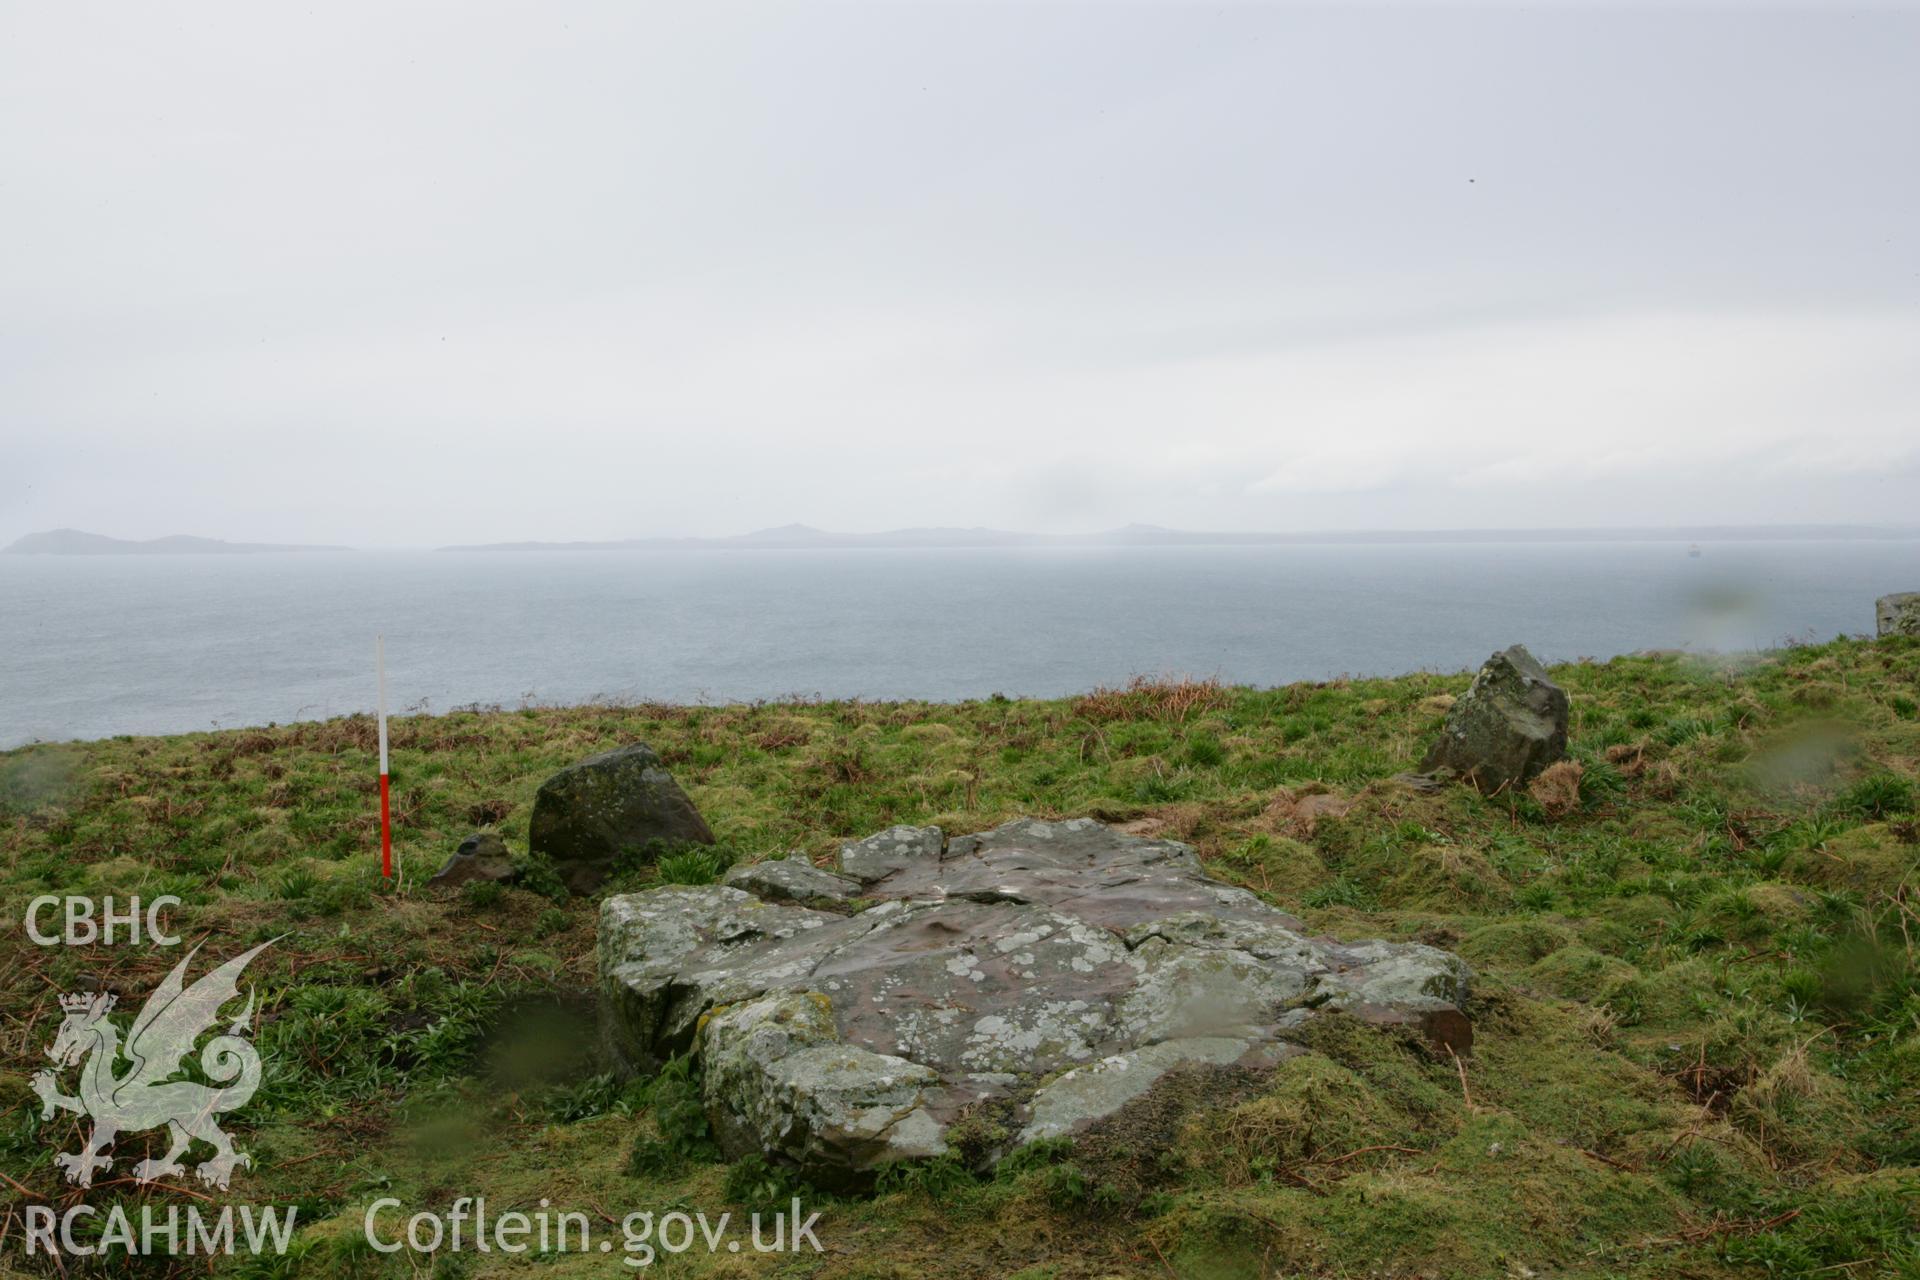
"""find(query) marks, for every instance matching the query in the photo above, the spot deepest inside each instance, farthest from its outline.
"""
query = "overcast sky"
(413, 273)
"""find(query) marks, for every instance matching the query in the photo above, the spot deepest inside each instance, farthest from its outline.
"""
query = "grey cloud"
(468, 272)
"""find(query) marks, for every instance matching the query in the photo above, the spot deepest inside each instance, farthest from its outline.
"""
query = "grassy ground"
(1698, 1016)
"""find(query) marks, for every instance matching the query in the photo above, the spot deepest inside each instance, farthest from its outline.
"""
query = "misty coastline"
(799, 537)
(102, 645)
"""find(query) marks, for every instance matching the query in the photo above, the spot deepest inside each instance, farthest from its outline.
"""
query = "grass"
(1698, 1013)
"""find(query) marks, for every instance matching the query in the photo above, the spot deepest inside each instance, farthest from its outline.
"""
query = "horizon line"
(797, 536)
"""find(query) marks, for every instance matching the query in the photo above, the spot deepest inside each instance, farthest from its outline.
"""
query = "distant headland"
(800, 537)
(75, 542)
(805, 537)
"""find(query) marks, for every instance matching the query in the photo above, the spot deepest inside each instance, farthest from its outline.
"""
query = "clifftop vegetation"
(1697, 1012)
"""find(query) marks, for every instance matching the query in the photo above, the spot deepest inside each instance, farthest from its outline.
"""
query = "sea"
(94, 646)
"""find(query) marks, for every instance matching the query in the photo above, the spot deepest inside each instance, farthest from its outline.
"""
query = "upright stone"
(481, 856)
(588, 814)
(1511, 724)
(1898, 615)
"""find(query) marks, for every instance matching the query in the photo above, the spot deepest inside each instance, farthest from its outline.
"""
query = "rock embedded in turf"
(791, 880)
(1509, 725)
(1897, 615)
(588, 814)
(1042, 974)
(481, 856)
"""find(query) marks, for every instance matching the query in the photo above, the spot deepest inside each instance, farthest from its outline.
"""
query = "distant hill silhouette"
(76, 542)
(800, 536)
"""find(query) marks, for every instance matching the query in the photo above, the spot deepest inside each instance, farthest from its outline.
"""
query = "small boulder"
(1897, 615)
(1509, 725)
(588, 814)
(895, 849)
(1299, 813)
(481, 856)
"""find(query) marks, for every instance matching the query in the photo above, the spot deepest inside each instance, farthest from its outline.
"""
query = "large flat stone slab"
(1051, 971)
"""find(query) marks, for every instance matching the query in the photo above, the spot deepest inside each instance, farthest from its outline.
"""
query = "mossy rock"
(1515, 944)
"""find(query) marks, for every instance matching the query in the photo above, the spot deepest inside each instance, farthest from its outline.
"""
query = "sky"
(417, 274)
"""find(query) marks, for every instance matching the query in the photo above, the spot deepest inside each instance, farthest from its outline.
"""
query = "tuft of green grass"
(699, 865)
(1877, 796)
(680, 1133)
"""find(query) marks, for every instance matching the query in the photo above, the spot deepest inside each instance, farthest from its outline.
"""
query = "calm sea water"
(91, 647)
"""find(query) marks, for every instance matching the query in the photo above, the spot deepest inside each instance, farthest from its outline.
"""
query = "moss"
(1869, 859)
(1515, 944)
(1797, 1113)
(1497, 1200)
(1137, 1150)
(1680, 994)
(1867, 1224)
(1278, 865)
(1312, 1108)
(1707, 1161)
(1779, 904)
(1541, 1064)
(1294, 869)
(1394, 1061)
(1580, 973)
(1752, 913)
(1432, 876)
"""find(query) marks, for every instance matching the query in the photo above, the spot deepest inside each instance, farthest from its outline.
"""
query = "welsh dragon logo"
(143, 1096)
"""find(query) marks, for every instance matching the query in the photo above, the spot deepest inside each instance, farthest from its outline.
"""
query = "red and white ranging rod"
(386, 812)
